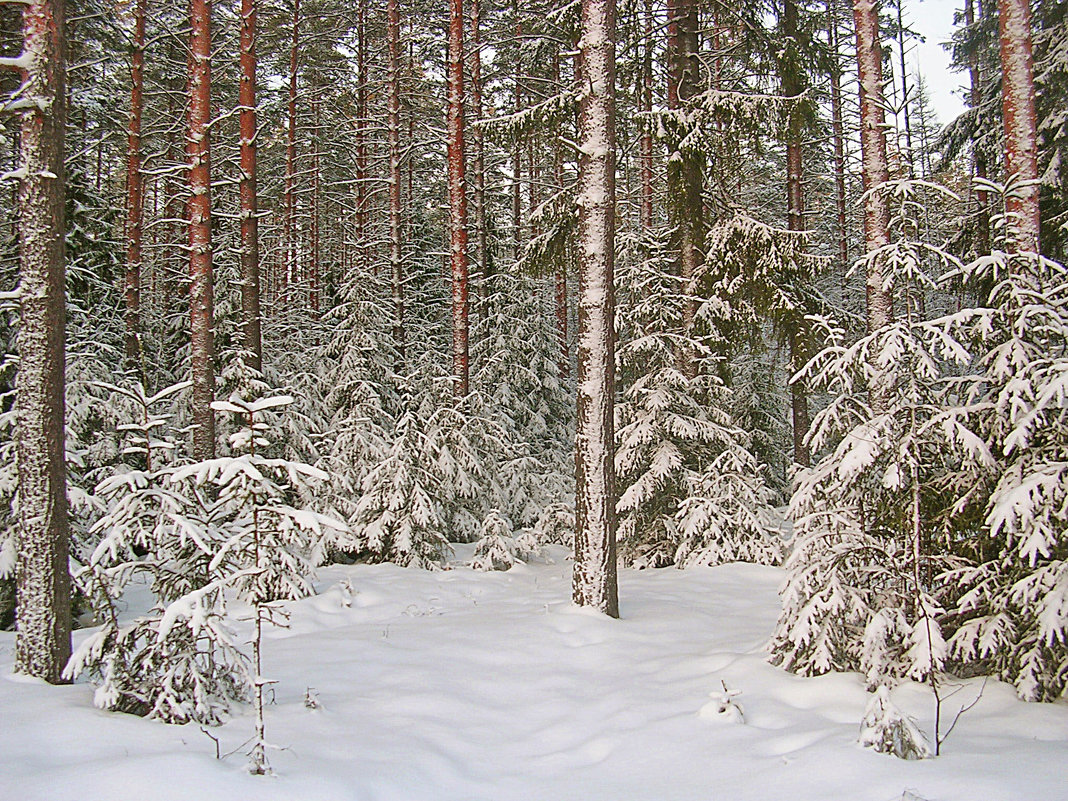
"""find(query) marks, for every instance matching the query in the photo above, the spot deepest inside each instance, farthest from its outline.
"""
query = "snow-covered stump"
(594, 578)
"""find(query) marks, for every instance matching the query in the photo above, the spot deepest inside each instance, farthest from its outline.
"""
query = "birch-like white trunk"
(42, 604)
(594, 578)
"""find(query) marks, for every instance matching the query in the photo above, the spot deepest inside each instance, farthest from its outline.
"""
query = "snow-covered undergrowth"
(465, 685)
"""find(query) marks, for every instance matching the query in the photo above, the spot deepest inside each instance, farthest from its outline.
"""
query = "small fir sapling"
(206, 530)
(723, 707)
(858, 594)
(496, 547)
(888, 730)
(398, 517)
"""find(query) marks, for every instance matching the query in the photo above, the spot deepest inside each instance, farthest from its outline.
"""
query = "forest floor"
(491, 687)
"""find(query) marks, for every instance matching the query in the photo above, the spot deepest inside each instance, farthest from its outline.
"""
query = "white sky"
(934, 20)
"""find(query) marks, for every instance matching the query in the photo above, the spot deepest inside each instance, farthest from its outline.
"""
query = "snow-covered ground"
(470, 686)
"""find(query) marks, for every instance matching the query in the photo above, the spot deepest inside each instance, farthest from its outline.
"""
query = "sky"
(934, 20)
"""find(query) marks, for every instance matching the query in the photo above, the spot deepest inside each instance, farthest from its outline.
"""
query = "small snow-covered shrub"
(496, 547)
(196, 534)
(886, 729)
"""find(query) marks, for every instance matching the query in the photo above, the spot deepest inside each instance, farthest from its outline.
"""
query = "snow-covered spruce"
(196, 534)
(859, 593)
(398, 518)
(496, 547)
(691, 492)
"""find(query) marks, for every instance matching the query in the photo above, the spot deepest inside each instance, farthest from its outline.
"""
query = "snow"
(457, 684)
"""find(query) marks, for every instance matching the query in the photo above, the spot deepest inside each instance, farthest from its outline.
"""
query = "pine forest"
(557, 399)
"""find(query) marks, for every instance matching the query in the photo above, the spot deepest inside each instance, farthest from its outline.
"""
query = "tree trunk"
(982, 244)
(43, 618)
(361, 134)
(201, 340)
(594, 577)
(646, 123)
(478, 162)
(1018, 112)
(517, 149)
(393, 35)
(313, 243)
(793, 84)
(457, 199)
(874, 169)
(289, 203)
(686, 170)
(135, 195)
(838, 135)
(250, 244)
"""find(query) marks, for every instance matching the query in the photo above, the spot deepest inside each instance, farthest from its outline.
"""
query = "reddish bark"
(393, 125)
(202, 350)
(457, 199)
(135, 194)
(594, 577)
(43, 617)
(874, 168)
(1018, 112)
(250, 246)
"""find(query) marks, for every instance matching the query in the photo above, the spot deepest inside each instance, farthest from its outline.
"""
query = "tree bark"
(250, 244)
(289, 202)
(201, 315)
(646, 155)
(1018, 112)
(135, 195)
(838, 135)
(361, 134)
(686, 170)
(43, 617)
(478, 156)
(982, 244)
(393, 126)
(874, 168)
(457, 199)
(594, 577)
(793, 84)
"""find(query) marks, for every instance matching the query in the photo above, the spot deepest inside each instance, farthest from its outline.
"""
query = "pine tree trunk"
(874, 169)
(1018, 112)
(43, 618)
(393, 35)
(201, 340)
(457, 198)
(135, 195)
(361, 134)
(250, 245)
(594, 578)
(478, 158)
